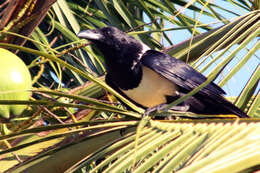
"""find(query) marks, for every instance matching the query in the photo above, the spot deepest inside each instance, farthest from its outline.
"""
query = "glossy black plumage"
(149, 78)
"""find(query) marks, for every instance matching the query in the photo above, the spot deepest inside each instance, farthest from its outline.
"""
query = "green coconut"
(15, 83)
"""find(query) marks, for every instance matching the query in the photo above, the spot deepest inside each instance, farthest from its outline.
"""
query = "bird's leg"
(182, 108)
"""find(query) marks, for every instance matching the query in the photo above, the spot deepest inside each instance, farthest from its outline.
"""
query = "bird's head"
(114, 43)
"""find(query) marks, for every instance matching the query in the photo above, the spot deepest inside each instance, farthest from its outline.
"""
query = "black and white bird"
(150, 78)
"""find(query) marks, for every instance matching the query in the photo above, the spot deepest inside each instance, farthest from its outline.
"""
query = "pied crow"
(150, 78)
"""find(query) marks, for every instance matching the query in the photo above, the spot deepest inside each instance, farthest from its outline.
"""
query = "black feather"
(179, 72)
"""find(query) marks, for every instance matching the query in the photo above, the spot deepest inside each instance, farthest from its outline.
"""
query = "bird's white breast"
(152, 89)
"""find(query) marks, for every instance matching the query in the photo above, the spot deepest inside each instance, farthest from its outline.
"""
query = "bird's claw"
(152, 110)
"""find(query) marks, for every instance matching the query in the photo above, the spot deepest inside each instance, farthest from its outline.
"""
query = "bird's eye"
(107, 32)
(123, 40)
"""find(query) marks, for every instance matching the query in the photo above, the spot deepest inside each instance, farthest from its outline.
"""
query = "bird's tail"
(234, 110)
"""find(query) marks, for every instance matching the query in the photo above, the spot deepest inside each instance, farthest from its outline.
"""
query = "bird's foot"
(183, 108)
(153, 110)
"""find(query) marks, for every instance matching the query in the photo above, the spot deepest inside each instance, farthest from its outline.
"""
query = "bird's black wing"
(179, 73)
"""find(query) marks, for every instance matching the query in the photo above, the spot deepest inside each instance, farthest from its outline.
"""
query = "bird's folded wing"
(179, 73)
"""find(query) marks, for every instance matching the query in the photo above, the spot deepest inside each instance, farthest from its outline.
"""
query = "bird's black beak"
(90, 35)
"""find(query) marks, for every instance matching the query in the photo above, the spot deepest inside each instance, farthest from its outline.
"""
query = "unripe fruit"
(15, 81)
